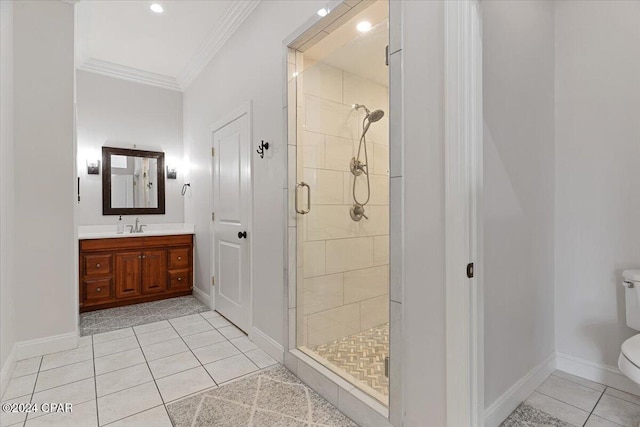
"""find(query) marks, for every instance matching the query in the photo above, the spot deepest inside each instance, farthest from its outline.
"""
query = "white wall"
(7, 218)
(417, 186)
(519, 168)
(45, 304)
(115, 112)
(597, 173)
(518, 85)
(248, 67)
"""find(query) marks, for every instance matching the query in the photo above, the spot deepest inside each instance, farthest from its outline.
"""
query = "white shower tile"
(365, 283)
(395, 239)
(359, 90)
(324, 82)
(330, 118)
(291, 86)
(330, 222)
(338, 153)
(374, 312)
(378, 222)
(380, 159)
(395, 26)
(322, 293)
(313, 150)
(349, 254)
(332, 324)
(379, 190)
(326, 186)
(314, 258)
(381, 250)
(395, 115)
(395, 368)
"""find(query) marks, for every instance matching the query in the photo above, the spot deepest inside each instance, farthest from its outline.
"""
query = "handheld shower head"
(374, 116)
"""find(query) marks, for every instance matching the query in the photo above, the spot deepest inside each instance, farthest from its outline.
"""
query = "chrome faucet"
(137, 228)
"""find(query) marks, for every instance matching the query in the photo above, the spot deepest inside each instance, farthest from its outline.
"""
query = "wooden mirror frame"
(107, 209)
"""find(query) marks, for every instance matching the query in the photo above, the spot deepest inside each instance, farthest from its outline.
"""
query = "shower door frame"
(463, 230)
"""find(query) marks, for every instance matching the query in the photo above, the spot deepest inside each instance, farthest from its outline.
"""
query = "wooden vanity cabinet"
(130, 270)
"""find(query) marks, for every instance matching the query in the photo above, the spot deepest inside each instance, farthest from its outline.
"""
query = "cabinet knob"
(179, 279)
(179, 258)
(98, 265)
(98, 289)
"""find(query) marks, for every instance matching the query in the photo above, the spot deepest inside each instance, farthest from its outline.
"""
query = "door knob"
(242, 235)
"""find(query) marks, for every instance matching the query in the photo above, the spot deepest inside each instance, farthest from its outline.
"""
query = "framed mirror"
(132, 182)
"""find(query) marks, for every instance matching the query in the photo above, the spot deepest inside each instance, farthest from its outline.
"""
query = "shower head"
(374, 116)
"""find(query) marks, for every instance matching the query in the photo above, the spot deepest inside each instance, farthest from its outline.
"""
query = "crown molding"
(128, 73)
(234, 16)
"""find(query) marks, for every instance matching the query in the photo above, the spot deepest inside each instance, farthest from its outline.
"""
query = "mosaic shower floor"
(110, 319)
(362, 356)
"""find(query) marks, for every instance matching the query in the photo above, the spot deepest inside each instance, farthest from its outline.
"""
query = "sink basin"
(110, 231)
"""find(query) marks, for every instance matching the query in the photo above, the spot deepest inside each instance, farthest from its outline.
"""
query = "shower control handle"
(298, 210)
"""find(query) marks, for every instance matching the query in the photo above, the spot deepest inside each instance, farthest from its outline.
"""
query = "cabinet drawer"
(179, 258)
(98, 289)
(179, 279)
(97, 264)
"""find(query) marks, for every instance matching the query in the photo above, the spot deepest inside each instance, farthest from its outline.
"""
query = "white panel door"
(231, 204)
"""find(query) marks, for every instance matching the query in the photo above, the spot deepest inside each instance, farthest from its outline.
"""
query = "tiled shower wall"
(344, 267)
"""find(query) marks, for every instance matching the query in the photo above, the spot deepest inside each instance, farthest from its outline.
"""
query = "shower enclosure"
(342, 203)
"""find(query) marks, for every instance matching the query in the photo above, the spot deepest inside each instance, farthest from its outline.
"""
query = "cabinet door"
(97, 264)
(180, 280)
(154, 271)
(128, 274)
(179, 258)
(97, 290)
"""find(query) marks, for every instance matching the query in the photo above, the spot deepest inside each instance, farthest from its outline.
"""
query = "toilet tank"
(631, 282)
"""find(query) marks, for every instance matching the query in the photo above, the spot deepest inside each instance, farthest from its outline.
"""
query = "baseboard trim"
(517, 393)
(201, 296)
(7, 370)
(598, 372)
(268, 344)
(42, 346)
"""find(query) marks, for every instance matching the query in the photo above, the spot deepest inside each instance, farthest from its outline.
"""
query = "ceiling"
(359, 53)
(125, 39)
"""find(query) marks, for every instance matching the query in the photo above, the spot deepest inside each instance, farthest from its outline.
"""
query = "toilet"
(629, 360)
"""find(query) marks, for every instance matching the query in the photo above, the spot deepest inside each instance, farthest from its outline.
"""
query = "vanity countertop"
(110, 231)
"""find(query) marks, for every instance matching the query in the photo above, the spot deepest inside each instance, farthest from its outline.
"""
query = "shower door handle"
(306, 211)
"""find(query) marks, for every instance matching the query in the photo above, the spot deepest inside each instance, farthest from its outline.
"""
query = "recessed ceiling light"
(364, 26)
(157, 8)
(323, 12)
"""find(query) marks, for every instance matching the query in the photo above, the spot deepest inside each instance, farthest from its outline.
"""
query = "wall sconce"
(172, 173)
(93, 167)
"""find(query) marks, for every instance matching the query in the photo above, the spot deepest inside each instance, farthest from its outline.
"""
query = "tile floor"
(127, 377)
(362, 357)
(580, 402)
(111, 319)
